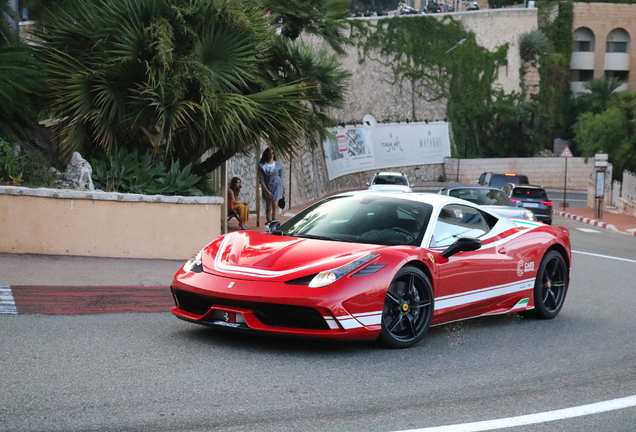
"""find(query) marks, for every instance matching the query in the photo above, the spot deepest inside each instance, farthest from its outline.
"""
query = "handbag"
(281, 203)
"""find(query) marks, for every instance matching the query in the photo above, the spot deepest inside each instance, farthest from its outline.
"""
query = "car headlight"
(330, 276)
(194, 264)
(529, 215)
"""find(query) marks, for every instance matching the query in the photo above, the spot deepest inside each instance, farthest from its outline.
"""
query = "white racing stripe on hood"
(248, 271)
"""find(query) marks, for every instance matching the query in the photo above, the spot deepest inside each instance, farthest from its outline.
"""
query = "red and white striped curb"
(594, 222)
(79, 300)
(588, 221)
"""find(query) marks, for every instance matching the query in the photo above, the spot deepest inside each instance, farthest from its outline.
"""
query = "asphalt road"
(152, 372)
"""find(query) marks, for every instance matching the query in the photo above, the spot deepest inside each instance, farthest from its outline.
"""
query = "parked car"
(387, 181)
(368, 265)
(533, 198)
(490, 198)
(498, 181)
(404, 9)
(473, 6)
(436, 7)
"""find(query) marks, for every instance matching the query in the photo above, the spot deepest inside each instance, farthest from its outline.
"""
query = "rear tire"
(408, 309)
(550, 287)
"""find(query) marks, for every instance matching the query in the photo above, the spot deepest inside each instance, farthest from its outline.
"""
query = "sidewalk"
(612, 221)
(48, 284)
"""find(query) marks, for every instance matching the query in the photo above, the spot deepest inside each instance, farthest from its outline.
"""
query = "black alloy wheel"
(408, 309)
(550, 286)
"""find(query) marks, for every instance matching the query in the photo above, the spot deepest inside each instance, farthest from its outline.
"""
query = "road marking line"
(605, 256)
(7, 303)
(589, 230)
(583, 410)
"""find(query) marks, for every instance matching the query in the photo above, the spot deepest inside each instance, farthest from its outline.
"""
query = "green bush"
(27, 168)
(129, 172)
(10, 167)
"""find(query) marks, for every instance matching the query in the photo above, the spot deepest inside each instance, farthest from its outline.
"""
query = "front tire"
(550, 286)
(408, 309)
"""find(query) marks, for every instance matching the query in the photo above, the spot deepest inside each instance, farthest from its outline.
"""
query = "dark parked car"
(533, 198)
(439, 7)
(500, 180)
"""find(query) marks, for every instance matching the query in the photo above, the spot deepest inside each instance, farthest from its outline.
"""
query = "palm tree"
(322, 18)
(20, 79)
(533, 45)
(601, 91)
(180, 77)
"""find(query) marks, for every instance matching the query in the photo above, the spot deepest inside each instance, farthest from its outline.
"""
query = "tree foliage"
(439, 60)
(612, 131)
(533, 45)
(20, 80)
(322, 18)
(554, 95)
(177, 77)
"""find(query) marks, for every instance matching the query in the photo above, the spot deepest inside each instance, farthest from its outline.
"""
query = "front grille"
(275, 315)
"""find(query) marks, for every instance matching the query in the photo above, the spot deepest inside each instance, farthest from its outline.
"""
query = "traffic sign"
(566, 152)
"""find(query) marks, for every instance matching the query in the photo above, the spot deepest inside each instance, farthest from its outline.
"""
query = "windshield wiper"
(317, 237)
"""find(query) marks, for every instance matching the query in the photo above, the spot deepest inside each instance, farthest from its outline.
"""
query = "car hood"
(253, 254)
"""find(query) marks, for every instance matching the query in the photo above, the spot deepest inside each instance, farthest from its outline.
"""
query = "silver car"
(491, 198)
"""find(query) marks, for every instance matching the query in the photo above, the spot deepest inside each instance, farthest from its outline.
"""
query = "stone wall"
(548, 172)
(371, 92)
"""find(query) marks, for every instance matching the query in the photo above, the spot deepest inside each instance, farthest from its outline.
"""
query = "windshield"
(519, 192)
(362, 219)
(500, 180)
(482, 196)
(390, 180)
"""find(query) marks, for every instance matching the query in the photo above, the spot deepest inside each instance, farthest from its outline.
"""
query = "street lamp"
(465, 145)
(456, 45)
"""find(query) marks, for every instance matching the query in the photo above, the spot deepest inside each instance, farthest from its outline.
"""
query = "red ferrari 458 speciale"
(369, 265)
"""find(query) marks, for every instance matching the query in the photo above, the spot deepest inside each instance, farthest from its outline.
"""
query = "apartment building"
(601, 44)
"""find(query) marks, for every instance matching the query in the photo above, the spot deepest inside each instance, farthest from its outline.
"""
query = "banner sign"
(385, 146)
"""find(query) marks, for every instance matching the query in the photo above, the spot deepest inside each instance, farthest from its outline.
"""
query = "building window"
(577, 75)
(622, 76)
(616, 47)
(582, 46)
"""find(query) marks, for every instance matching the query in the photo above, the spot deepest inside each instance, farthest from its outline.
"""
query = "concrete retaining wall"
(548, 172)
(66, 222)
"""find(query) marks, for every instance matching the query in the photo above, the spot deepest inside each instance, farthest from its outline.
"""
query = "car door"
(468, 283)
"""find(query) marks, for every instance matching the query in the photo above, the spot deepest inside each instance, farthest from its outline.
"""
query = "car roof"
(516, 186)
(389, 173)
(470, 187)
(434, 199)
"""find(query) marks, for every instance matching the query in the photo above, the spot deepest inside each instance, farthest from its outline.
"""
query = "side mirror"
(518, 204)
(273, 226)
(462, 244)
